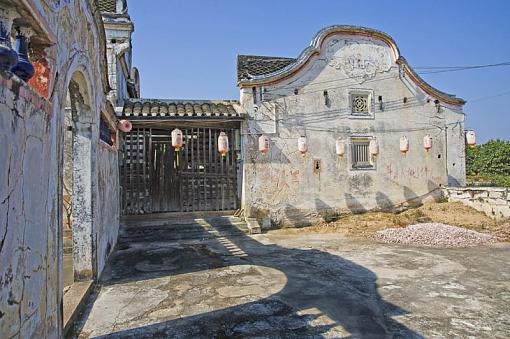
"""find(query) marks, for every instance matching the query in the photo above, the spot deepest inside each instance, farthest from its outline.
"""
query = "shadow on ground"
(322, 295)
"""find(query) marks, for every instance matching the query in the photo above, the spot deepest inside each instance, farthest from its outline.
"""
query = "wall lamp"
(438, 106)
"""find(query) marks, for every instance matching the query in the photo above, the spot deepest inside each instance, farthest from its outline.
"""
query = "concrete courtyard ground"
(206, 278)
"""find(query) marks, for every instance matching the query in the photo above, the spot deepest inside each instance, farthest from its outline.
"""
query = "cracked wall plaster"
(31, 149)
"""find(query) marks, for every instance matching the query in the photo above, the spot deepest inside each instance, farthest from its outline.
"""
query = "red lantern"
(177, 140)
(471, 138)
(302, 145)
(264, 144)
(340, 147)
(124, 125)
(427, 142)
(223, 144)
(404, 144)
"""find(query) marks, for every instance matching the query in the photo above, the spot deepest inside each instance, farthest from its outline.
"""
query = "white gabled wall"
(283, 184)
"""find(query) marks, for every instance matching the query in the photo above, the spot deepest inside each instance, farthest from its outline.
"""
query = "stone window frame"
(370, 99)
(365, 139)
(113, 131)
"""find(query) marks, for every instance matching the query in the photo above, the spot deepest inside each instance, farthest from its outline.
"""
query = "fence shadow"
(339, 289)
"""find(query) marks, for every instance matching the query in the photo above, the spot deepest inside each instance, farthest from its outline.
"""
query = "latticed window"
(360, 103)
(361, 154)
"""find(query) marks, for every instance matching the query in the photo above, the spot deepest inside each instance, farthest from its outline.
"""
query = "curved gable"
(368, 52)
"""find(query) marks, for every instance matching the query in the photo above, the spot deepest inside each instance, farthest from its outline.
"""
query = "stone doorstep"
(176, 215)
(74, 301)
(253, 225)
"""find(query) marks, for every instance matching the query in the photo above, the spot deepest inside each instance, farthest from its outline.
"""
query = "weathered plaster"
(282, 184)
(493, 201)
(32, 138)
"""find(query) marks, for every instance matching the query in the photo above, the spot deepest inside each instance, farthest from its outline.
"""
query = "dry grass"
(451, 213)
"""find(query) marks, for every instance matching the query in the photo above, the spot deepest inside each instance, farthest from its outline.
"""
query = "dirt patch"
(451, 213)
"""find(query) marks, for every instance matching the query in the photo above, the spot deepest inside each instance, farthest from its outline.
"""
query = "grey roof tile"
(107, 6)
(199, 109)
(249, 65)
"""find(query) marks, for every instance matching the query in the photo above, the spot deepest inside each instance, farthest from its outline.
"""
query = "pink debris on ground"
(433, 235)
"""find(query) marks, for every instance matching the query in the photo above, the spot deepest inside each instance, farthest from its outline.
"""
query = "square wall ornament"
(361, 103)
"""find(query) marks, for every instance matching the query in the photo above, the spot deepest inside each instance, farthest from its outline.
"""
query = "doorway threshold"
(74, 300)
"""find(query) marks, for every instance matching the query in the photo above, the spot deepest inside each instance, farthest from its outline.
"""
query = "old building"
(347, 126)
(58, 168)
(373, 134)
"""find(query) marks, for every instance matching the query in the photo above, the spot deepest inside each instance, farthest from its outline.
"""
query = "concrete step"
(176, 229)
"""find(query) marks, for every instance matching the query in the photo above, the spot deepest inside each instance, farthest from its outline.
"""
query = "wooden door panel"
(155, 178)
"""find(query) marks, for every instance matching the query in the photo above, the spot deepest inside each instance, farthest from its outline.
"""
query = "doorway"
(156, 179)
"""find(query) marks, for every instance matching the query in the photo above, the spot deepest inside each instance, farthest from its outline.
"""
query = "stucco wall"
(109, 208)
(28, 216)
(32, 152)
(282, 184)
(493, 201)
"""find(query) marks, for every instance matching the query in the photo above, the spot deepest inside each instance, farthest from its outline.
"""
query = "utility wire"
(433, 70)
(465, 68)
(490, 96)
(506, 63)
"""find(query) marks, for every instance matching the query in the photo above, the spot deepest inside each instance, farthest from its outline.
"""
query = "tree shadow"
(341, 290)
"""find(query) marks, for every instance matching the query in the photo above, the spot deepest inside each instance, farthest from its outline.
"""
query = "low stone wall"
(493, 201)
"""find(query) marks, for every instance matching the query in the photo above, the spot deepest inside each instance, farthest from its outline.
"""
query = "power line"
(505, 63)
(434, 69)
(490, 96)
(465, 68)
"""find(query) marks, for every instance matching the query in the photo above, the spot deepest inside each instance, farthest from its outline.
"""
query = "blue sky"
(187, 49)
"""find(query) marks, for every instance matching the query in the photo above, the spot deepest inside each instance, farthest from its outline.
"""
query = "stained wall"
(31, 168)
(284, 186)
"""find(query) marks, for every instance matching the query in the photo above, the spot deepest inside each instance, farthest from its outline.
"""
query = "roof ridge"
(134, 100)
(265, 56)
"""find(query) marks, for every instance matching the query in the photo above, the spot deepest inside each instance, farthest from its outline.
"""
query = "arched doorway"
(77, 173)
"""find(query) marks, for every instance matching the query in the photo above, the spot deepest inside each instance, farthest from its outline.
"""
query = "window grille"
(360, 154)
(104, 132)
(360, 104)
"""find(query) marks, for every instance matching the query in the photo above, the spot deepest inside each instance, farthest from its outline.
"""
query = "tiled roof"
(164, 109)
(107, 6)
(249, 65)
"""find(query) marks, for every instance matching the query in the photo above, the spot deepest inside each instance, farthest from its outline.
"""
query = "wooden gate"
(155, 178)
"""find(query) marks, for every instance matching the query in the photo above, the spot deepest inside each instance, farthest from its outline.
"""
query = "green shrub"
(489, 162)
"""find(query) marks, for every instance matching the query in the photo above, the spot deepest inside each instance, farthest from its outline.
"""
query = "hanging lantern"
(177, 140)
(124, 125)
(427, 142)
(471, 138)
(23, 68)
(263, 144)
(302, 145)
(404, 144)
(373, 147)
(223, 144)
(340, 147)
(8, 56)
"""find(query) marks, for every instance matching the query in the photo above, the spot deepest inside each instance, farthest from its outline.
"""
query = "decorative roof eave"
(102, 46)
(442, 96)
(314, 48)
(169, 109)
